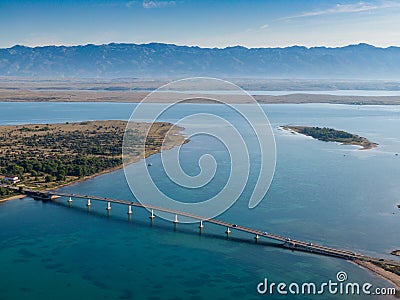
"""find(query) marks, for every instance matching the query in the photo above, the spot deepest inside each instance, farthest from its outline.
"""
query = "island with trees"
(50, 155)
(332, 135)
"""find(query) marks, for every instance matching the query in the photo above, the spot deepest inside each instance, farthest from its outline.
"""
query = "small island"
(332, 135)
(42, 156)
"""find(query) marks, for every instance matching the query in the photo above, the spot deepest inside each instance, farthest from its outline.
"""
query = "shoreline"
(205, 102)
(259, 101)
(85, 178)
(104, 172)
(393, 278)
(19, 196)
(130, 96)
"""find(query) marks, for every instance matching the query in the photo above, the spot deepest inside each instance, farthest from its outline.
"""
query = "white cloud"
(346, 8)
(264, 26)
(157, 4)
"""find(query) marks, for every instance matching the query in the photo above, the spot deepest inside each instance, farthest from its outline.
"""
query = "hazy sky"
(267, 23)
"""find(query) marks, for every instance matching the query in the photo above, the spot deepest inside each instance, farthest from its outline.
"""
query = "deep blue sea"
(324, 193)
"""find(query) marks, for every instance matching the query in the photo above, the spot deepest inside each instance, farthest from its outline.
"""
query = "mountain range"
(159, 60)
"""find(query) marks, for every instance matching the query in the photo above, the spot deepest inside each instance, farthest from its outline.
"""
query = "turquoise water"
(322, 192)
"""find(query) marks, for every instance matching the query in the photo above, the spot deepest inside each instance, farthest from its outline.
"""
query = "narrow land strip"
(9, 95)
(381, 271)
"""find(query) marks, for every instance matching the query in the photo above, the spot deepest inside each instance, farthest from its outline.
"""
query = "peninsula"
(332, 135)
(50, 155)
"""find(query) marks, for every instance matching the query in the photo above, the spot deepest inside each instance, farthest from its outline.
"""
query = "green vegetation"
(333, 135)
(44, 156)
(6, 192)
(329, 134)
(388, 267)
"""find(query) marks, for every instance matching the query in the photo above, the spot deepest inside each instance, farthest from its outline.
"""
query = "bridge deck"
(288, 243)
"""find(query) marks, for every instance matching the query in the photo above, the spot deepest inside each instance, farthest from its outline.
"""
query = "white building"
(11, 179)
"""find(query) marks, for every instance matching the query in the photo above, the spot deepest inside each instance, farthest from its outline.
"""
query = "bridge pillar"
(108, 206)
(70, 200)
(88, 203)
(257, 237)
(152, 216)
(228, 231)
(129, 209)
(201, 224)
(176, 219)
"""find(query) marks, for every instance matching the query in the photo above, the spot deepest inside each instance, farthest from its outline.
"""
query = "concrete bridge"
(229, 227)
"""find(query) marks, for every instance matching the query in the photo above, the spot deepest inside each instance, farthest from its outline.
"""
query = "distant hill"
(360, 61)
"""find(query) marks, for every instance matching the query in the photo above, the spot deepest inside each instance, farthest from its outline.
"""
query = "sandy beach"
(12, 198)
(389, 276)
